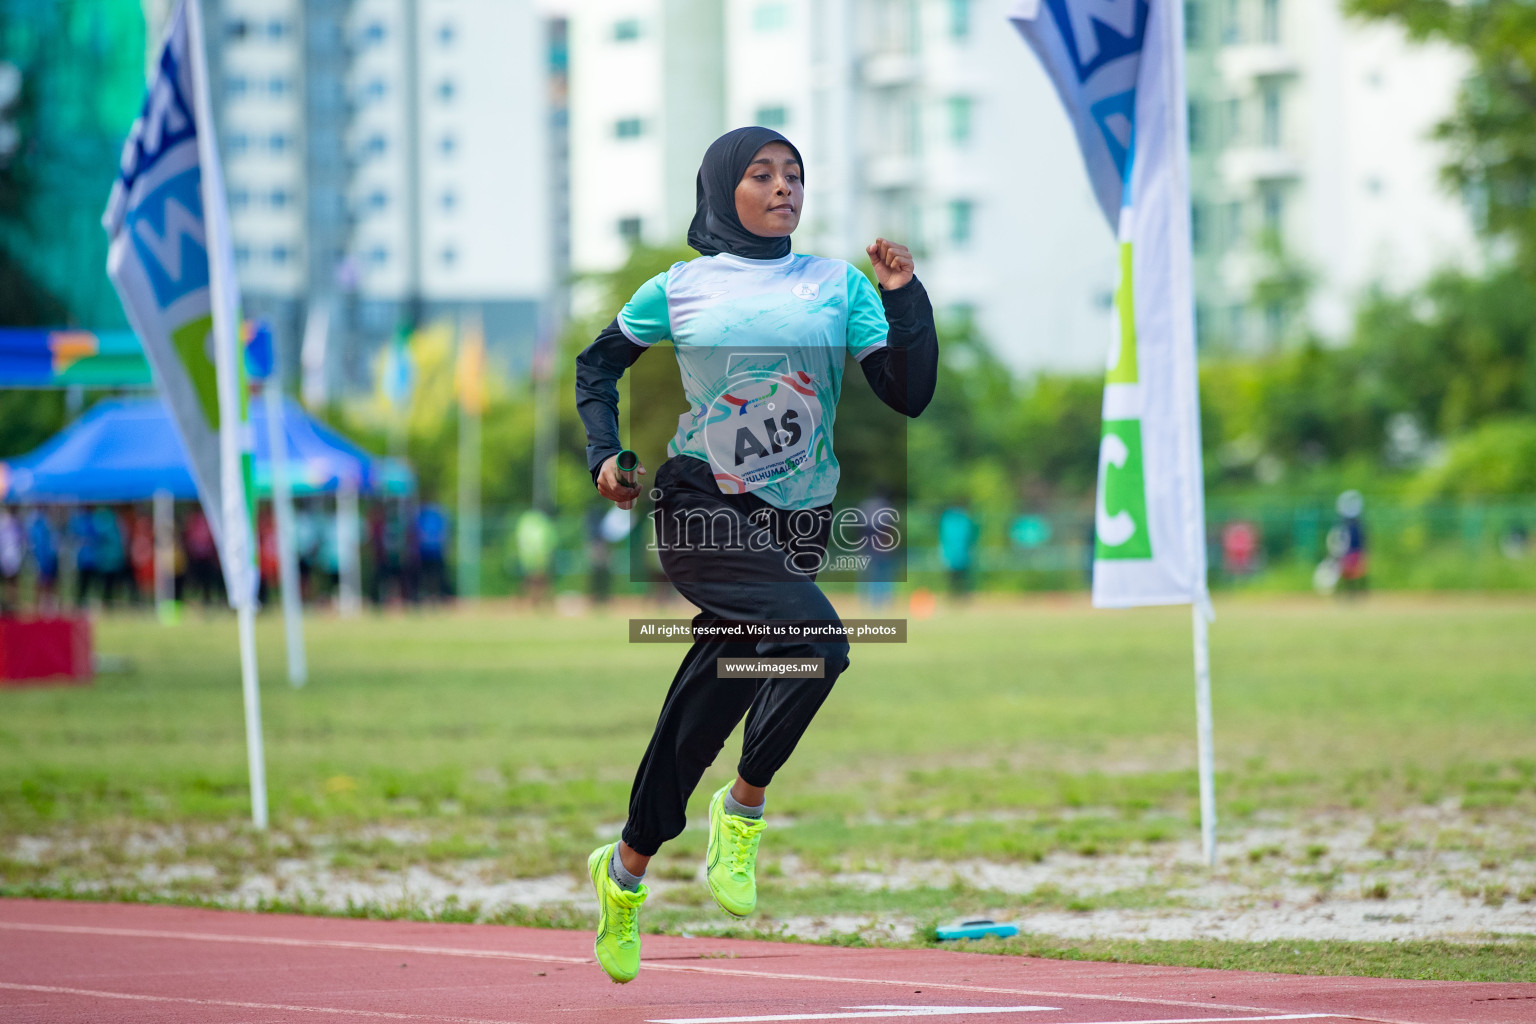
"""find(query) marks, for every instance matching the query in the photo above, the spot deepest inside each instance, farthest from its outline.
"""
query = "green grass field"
(1008, 733)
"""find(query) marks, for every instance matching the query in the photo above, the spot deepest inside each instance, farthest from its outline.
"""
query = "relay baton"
(626, 463)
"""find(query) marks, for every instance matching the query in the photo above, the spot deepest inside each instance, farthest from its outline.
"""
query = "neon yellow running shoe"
(618, 930)
(731, 860)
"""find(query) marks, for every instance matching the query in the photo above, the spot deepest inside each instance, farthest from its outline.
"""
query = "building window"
(378, 255)
(449, 201)
(375, 145)
(626, 30)
(629, 230)
(281, 254)
(374, 33)
(1194, 22)
(1234, 223)
(1234, 120)
(772, 117)
(959, 19)
(1271, 22)
(1274, 208)
(235, 85)
(278, 85)
(446, 90)
(375, 89)
(449, 256)
(448, 145)
(770, 17)
(277, 28)
(1272, 115)
(279, 142)
(959, 108)
(446, 34)
(1196, 122)
(243, 255)
(378, 199)
(279, 198)
(1232, 22)
(627, 128)
(236, 28)
(238, 143)
(239, 199)
(960, 215)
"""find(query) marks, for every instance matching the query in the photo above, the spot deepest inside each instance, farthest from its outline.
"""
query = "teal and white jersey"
(761, 346)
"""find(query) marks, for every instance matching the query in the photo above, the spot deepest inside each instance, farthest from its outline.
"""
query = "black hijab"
(716, 228)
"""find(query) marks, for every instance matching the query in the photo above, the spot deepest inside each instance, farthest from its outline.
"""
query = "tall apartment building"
(929, 121)
(389, 160)
(1312, 132)
(647, 95)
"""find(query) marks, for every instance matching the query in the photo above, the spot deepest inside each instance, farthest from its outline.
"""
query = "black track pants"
(738, 559)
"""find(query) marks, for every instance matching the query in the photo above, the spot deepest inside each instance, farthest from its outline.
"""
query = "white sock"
(620, 874)
(736, 807)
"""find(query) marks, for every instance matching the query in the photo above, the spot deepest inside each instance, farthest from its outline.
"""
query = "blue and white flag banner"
(172, 262)
(1118, 66)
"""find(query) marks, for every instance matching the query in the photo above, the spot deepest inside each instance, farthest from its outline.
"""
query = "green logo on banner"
(191, 342)
(1122, 370)
(1120, 517)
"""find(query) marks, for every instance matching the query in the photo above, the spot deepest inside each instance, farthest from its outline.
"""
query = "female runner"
(743, 506)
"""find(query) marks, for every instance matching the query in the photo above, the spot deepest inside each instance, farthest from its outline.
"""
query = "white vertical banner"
(1118, 66)
(171, 261)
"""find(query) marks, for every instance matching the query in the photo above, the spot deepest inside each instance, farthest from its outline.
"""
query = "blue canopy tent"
(127, 449)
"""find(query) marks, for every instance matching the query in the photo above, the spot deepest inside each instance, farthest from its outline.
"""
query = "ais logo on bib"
(763, 427)
(806, 290)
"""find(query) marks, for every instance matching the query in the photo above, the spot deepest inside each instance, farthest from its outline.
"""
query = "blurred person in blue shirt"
(957, 544)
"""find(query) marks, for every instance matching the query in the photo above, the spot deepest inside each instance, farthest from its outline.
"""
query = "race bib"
(764, 427)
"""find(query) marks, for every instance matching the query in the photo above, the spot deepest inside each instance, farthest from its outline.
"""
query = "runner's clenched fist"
(893, 263)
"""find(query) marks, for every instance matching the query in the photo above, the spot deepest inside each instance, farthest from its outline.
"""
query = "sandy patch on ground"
(1428, 873)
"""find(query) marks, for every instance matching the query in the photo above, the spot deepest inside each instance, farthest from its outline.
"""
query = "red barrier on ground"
(44, 650)
(74, 961)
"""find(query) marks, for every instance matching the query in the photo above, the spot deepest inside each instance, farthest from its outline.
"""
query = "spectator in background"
(141, 556)
(80, 547)
(378, 554)
(12, 555)
(1239, 549)
(410, 552)
(877, 581)
(43, 549)
(1352, 561)
(307, 529)
(432, 535)
(203, 573)
(535, 539)
(957, 546)
(267, 556)
(111, 554)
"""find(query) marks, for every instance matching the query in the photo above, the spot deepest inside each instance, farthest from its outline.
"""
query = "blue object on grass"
(977, 928)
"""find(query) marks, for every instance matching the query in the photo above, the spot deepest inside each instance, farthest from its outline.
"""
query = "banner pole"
(1204, 752)
(255, 756)
(165, 557)
(282, 513)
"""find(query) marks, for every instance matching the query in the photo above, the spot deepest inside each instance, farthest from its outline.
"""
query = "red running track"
(64, 961)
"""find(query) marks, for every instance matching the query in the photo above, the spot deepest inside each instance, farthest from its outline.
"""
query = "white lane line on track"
(883, 1010)
(892, 1011)
(287, 1007)
(733, 972)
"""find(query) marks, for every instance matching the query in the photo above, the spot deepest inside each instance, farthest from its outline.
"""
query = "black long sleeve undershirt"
(903, 373)
(598, 369)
